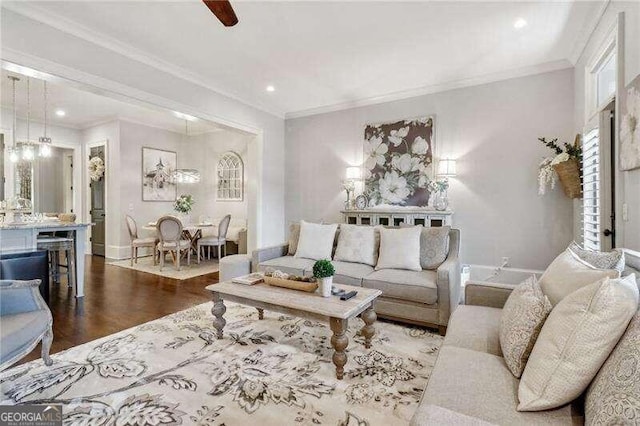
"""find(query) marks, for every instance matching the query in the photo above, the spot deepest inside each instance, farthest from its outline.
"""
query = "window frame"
(228, 186)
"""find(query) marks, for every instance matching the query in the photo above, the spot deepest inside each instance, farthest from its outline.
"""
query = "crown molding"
(436, 88)
(64, 75)
(587, 32)
(76, 29)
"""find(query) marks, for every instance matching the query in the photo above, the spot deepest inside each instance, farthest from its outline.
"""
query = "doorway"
(97, 208)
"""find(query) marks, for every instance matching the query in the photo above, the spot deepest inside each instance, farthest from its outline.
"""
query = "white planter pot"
(325, 286)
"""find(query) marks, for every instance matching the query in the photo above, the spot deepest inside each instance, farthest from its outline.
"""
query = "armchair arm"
(448, 280)
(492, 295)
(261, 255)
(17, 297)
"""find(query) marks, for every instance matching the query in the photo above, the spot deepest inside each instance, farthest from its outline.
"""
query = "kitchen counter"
(23, 236)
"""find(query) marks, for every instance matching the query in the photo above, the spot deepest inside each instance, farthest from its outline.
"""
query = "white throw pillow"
(575, 341)
(316, 241)
(400, 248)
(357, 244)
(567, 273)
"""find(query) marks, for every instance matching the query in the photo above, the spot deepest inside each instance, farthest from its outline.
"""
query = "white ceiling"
(323, 54)
(84, 109)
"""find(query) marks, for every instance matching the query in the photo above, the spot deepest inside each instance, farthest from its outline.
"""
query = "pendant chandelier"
(186, 175)
(45, 141)
(14, 152)
(27, 149)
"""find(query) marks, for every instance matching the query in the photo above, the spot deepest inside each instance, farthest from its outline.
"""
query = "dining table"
(190, 231)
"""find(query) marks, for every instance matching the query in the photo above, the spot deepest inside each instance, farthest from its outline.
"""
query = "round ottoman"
(234, 266)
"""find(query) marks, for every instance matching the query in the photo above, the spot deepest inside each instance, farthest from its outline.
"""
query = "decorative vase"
(440, 201)
(325, 286)
(185, 218)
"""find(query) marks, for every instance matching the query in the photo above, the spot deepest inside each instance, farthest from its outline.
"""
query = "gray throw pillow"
(434, 246)
(600, 259)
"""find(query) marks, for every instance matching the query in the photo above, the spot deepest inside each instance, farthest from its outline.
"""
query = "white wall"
(628, 234)
(491, 130)
(39, 46)
(204, 151)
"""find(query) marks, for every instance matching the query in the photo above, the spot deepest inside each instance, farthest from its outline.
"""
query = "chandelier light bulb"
(27, 153)
(45, 151)
(13, 156)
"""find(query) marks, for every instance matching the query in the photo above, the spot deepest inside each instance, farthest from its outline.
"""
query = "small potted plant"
(323, 271)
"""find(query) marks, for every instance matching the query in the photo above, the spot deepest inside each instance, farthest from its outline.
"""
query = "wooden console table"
(396, 217)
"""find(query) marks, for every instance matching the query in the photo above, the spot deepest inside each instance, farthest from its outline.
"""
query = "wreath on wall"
(96, 168)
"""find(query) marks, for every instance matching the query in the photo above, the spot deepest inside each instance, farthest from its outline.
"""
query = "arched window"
(230, 177)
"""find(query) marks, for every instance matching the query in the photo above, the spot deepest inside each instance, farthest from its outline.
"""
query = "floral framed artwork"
(630, 126)
(157, 175)
(398, 163)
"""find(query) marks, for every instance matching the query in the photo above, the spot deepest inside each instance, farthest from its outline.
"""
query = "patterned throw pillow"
(434, 246)
(600, 259)
(357, 244)
(576, 339)
(522, 319)
(614, 395)
(294, 237)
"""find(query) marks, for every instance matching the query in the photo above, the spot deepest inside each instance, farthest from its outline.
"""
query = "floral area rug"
(145, 264)
(277, 371)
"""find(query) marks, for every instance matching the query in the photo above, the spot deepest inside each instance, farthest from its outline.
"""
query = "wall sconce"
(447, 168)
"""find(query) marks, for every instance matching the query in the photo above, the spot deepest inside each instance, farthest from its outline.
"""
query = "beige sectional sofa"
(471, 384)
(425, 297)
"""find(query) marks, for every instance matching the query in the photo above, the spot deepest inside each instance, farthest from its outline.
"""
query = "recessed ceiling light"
(60, 113)
(519, 23)
(270, 88)
(184, 116)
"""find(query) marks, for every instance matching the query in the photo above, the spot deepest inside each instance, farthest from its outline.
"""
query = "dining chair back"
(223, 227)
(169, 229)
(132, 227)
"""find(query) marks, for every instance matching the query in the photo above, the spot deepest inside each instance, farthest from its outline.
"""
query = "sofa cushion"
(481, 385)
(567, 273)
(522, 319)
(476, 328)
(358, 244)
(417, 286)
(350, 273)
(289, 264)
(575, 341)
(427, 415)
(316, 241)
(614, 395)
(434, 246)
(20, 331)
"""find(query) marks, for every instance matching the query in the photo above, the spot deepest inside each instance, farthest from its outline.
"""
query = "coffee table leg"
(218, 311)
(368, 331)
(339, 341)
(260, 313)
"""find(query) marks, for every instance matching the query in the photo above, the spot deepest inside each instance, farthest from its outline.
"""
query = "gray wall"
(491, 130)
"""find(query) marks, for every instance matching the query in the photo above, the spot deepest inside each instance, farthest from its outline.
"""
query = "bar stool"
(54, 246)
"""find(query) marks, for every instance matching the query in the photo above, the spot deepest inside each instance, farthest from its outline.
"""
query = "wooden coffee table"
(305, 305)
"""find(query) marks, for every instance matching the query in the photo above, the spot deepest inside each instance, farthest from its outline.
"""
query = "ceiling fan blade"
(223, 11)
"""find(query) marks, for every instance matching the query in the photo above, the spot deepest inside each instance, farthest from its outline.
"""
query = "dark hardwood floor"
(116, 299)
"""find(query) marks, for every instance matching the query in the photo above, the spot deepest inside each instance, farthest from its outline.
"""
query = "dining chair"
(170, 235)
(219, 241)
(137, 242)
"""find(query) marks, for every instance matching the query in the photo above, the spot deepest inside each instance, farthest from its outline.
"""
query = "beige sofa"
(470, 383)
(424, 297)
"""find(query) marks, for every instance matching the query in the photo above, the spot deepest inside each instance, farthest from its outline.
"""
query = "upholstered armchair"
(25, 320)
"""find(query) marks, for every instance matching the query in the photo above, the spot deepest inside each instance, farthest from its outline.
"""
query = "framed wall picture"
(158, 166)
(398, 162)
(630, 126)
